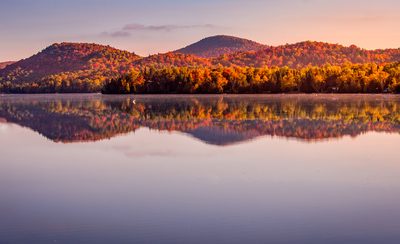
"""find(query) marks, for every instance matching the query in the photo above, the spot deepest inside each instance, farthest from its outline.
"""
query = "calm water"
(199, 169)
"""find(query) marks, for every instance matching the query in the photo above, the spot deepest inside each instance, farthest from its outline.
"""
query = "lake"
(200, 169)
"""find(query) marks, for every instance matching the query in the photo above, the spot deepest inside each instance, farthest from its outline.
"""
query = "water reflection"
(159, 185)
(217, 120)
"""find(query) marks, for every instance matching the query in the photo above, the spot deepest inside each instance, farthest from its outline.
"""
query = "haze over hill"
(216, 46)
(5, 64)
(173, 59)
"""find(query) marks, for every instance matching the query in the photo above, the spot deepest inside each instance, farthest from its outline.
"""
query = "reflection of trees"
(212, 119)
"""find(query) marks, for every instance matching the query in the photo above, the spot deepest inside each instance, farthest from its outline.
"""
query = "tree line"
(347, 78)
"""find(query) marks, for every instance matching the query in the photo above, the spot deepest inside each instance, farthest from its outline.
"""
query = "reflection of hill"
(212, 119)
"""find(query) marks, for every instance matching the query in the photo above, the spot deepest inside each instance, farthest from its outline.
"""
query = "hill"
(68, 67)
(308, 53)
(84, 67)
(215, 46)
(5, 64)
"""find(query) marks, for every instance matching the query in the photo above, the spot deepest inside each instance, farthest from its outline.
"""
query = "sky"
(148, 27)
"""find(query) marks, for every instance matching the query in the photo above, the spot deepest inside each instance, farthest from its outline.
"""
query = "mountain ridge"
(214, 46)
(84, 67)
(307, 53)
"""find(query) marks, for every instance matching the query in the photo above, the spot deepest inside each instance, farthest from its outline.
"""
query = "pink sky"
(148, 27)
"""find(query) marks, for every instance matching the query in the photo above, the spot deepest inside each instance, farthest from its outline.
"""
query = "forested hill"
(308, 53)
(85, 67)
(68, 65)
(215, 46)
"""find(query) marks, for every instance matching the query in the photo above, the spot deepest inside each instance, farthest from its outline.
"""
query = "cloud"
(136, 27)
(127, 30)
(116, 33)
